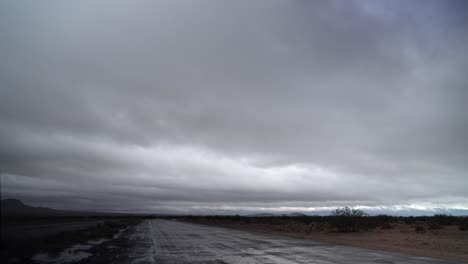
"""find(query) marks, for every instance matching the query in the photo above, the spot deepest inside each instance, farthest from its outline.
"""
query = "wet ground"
(52, 240)
(164, 241)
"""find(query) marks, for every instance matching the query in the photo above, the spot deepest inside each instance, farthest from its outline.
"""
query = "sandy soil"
(448, 243)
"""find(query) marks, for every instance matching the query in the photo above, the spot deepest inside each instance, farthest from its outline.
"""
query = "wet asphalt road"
(163, 241)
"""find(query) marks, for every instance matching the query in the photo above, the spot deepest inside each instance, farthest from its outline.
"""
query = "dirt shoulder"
(447, 243)
(54, 237)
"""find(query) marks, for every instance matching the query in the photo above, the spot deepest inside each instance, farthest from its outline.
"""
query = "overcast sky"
(199, 106)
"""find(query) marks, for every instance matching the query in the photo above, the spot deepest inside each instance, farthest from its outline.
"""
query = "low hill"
(297, 214)
(14, 207)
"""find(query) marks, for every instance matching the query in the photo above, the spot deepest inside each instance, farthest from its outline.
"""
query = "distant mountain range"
(270, 215)
(14, 207)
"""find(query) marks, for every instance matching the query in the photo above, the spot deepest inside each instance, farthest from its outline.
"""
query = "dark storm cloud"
(232, 106)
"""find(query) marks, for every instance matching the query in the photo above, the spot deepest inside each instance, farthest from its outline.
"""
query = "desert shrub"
(409, 220)
(320, 226)
(444, 220)
(348, 220)
(463, 225)
(382, 221)
(386, 225)
(348, 212)
(420, 229)
(434, 226)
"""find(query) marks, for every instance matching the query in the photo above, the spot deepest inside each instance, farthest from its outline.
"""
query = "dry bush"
(434, 226)
(420, 229)
(463, 225)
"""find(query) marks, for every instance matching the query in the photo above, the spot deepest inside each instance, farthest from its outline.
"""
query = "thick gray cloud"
(242, 105)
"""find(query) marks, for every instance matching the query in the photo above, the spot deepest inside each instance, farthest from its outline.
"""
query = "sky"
(234, 106)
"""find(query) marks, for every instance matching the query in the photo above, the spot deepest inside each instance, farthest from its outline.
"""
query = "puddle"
(119, 233)
(72, 254)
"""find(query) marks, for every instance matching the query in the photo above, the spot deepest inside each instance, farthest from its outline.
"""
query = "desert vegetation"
(341, 220)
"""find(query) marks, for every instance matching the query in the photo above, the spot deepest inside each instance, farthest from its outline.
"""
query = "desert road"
(164, 241)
